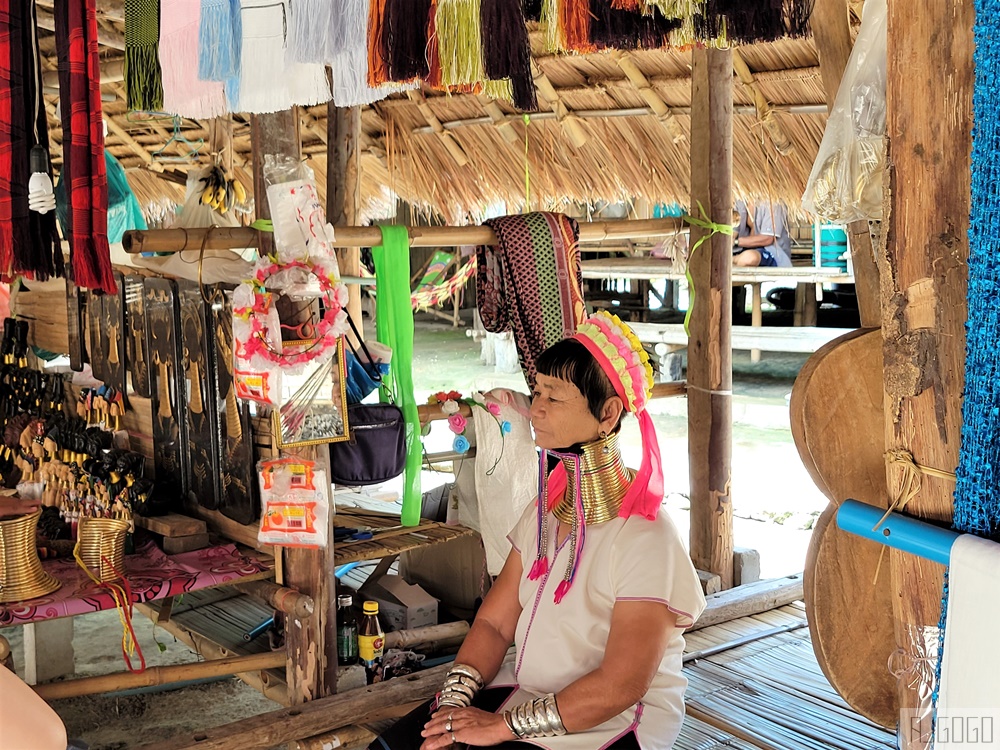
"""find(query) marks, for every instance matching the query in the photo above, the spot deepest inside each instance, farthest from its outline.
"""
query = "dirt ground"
(775, 504)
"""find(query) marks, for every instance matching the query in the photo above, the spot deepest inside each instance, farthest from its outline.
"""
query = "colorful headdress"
(623, 359)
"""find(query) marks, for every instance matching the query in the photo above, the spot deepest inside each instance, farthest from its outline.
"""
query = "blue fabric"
(220, 41)
(360, 382)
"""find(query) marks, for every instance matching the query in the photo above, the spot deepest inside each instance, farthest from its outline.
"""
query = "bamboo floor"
(768, 693)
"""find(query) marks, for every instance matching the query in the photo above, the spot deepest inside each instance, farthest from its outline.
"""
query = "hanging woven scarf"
(394, 327)
(83, 168)
(220, 32)
(531, 282)
(183, 92)
(267, 83)
(28, 240)
(308, 33)
(143, 81)
(506, 49)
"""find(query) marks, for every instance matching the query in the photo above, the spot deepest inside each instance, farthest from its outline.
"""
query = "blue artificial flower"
(505, 427)
(461, 444)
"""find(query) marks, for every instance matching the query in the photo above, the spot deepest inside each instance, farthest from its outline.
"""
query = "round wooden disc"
(837, 423)
(850, 618)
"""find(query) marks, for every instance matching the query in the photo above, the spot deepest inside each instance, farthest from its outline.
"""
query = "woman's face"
(560, 415)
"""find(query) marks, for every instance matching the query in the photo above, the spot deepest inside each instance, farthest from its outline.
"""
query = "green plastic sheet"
(394, 328)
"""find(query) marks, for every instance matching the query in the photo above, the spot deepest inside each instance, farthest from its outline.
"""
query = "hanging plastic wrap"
(300, 227)
(846, 180)
(296, 503)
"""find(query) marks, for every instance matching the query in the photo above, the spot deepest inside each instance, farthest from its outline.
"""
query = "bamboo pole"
(765, 115)
(165, 675)
(346, 738)
(710, 366)
(359, 706)
(571, 125)
(656, 103)
(174, 240)
(284, 599)
(447, 139)
(449, 633)
(499, 118)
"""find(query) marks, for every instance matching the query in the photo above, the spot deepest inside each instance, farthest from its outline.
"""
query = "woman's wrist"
(535, 718)
(461, 684)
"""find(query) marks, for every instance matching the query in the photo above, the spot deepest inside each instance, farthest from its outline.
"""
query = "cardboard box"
(401, 606)
(454, 572)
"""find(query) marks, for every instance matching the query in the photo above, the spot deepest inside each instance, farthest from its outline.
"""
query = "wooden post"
(710, 363)
(343, 190)
(924, 281)
(311, 664)
(832, 32)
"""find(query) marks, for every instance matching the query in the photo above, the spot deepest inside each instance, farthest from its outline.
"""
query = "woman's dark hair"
(571, 361)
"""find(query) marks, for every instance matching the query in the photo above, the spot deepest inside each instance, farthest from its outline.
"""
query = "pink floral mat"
(151, 574)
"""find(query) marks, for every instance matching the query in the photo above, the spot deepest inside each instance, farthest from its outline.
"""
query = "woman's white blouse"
(632, 559)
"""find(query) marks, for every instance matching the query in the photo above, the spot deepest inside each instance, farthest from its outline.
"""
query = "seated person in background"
(762, 235)
(597, 626)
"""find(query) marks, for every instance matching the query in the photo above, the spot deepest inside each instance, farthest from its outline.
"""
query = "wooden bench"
(668, 338)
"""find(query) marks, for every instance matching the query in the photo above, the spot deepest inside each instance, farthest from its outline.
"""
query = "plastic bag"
(295, 500)
(298, 218)
(846, 180)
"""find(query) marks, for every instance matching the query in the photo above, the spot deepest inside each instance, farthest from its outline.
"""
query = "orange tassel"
(378, 68)
(433, 60)
(574, 17)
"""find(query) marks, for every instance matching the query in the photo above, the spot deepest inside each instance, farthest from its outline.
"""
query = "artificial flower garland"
(450, 402)
(254, 317)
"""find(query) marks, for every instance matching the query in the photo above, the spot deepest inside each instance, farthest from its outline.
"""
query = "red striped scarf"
(83, 144)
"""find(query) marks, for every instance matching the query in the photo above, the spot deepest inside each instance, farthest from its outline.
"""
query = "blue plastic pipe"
(897, 531)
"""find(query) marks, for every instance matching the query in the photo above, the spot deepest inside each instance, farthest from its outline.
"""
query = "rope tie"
(712, 228)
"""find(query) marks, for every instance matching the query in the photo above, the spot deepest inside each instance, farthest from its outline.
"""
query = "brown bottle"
(371, 643)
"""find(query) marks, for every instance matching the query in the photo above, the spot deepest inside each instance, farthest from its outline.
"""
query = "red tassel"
(539, 569)
(433, 59)
(378, 67)
(632, 5)
(561, 590)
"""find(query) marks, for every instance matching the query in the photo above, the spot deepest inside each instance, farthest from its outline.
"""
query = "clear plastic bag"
(295, 496)
(846, 180)
(300, 227)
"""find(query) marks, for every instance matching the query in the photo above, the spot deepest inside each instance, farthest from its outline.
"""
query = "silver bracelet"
(536, 718)
(461, 684)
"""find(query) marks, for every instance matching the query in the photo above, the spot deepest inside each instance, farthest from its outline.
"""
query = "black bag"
(376, 451)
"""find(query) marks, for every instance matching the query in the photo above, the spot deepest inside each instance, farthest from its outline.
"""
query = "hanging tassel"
(433, 58)
(460, 45)
(613, 28)
(532, 10)
(506, 49)
(348, 42)
(745, 22)
(143, 82)
(405, 38)
(183, 92)
(378, 65)
(220, 34)
(541, 565)
(574, 20)
(307, 33)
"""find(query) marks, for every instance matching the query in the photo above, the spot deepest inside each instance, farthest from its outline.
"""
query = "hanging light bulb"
(41, 197)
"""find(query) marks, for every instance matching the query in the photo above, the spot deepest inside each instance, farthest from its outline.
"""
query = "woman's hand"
(465, 726)
(15, 506)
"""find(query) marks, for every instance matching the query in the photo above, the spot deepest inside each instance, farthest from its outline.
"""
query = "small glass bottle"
(371, 642)
(347, 632)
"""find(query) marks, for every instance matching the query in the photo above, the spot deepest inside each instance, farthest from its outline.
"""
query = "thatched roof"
(629, 152)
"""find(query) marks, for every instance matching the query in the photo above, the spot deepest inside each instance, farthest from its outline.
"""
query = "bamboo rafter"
(654, 100)
(451, 145)
(779, 138)
(570, 124)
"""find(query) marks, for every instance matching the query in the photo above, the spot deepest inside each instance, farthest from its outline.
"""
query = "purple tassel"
(626, 29)
(404, 38)
(506, 49)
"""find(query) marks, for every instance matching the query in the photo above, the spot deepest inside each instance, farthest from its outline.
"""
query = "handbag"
(376, 451)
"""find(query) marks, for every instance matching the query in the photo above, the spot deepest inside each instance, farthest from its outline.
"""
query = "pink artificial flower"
(493, 409)
(456, 422)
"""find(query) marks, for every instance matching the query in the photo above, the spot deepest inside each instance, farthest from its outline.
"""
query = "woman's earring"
(604, 437)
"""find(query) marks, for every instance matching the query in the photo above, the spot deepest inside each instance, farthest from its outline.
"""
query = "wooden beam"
(359, 706)
(832, 32)
(750, 599)
(134, 146)
(710, 366)
(648, 93)
(175, 240)
(115, 41)
(499, 118)
(160, 675)
(782, 144)
(572, 126)
(929, 88)
(343, 190)
(447, 139)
